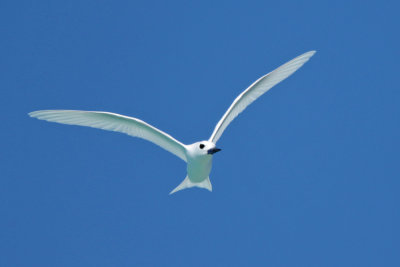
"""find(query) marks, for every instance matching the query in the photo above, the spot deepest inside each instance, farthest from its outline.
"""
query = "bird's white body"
(199, 163)
(198, 156)
(198, 169)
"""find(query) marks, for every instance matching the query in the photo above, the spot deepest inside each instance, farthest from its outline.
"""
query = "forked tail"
(186, 183)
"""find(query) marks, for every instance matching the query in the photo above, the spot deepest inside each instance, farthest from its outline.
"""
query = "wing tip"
(38, 113)
(33, 114)
(309, 53)
(302, 59)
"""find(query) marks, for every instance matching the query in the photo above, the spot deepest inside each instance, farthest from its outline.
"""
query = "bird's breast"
(199, 169)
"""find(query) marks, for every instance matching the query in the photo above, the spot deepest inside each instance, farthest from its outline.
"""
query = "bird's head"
(202, 148)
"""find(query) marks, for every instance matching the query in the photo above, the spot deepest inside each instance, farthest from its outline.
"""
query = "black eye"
(202, 146)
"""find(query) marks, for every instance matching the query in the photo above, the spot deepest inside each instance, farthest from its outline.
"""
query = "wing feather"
(114, 122)
(257, 89)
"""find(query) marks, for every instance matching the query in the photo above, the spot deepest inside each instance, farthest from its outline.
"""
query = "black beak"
(213, 150)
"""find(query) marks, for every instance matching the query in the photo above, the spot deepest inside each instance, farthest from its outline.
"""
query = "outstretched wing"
(114, 122)
(257, 89)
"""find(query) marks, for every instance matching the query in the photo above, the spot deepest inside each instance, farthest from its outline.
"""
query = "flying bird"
(198, 156)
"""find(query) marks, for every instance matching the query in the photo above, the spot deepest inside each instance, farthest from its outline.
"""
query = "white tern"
(198, 156)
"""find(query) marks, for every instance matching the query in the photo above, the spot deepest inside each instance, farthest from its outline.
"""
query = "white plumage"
(198, 155)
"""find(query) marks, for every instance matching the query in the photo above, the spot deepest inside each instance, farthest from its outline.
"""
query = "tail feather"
(186, 183)
(206, 184)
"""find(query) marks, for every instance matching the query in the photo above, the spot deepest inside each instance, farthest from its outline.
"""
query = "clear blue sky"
(308, 175)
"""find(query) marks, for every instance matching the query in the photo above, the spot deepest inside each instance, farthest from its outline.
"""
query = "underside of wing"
(257, 89)
(114, 122)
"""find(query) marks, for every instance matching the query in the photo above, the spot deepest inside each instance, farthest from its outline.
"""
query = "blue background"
(308, 175)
